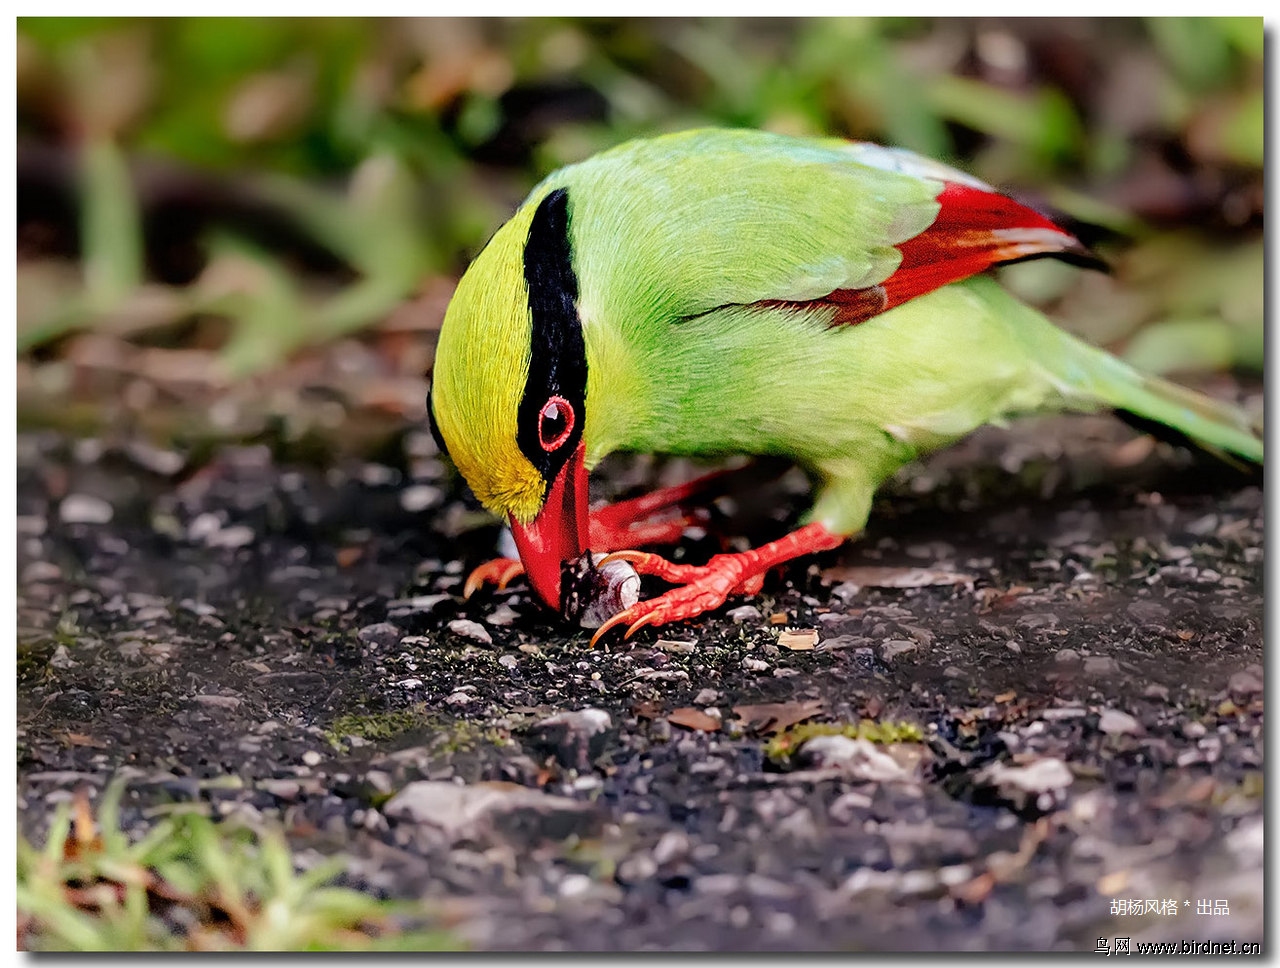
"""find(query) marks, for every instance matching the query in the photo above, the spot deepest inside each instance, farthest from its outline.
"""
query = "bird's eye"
(555, 423)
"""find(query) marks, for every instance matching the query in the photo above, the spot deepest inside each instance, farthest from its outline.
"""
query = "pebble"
(1101, 665)
(635, 869)
(574, 737)
(85, 509)
(754, 665)
(1246, 682)
(312, 758)
(1113, 721)
(1193, 730)
(859, 758)
(504, 614)
(508, 661)
(221, 702)
(61, 658)
(1042, 783)
(468, 629)
(419, 497)
(744, 613)
(383, 634)
(673, 845)
(1066, 657)
(706, 697)
(471, 810)
(40, 571)
(234, 536)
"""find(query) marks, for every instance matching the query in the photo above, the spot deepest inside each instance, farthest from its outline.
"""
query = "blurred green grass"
(326, 170)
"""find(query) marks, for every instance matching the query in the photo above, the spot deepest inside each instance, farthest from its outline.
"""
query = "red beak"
(559, 532)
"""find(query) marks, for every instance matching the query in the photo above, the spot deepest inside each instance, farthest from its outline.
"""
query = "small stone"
(312, 758)
(504, 614)
(896, 647)
(635, 869)
(675, 645)
(221, 702)
(575, 738)
(673, 845)
(1101, 665)
(1193, 730)
(61, 658)
(413, 682)
(419, 497)
(1040, 785)
(468, 629)
(1066, 657)
(383, 634)
(85, 509)
(1246, 682)
(234, 536)
(40, 571)
(744, 613)
(859, 758)
(486, 811)
(1113, 721)
(508, 661)
(754, 665)
(458, 698)
(954, 672)
(706, 697)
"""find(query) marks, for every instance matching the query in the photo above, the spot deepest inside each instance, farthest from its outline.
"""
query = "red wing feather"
(974, 230)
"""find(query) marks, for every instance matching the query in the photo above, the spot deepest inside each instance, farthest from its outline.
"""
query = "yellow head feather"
(481, 365)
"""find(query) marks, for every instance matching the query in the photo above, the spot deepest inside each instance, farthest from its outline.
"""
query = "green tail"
(1086, 376)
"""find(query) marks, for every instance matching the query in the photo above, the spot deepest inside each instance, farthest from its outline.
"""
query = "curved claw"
(650, 618)
(613, 622)
(500, 571)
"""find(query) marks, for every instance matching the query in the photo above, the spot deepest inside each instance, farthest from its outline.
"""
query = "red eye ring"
(555, 423)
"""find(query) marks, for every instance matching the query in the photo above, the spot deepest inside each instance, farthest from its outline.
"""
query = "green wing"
(675, 226)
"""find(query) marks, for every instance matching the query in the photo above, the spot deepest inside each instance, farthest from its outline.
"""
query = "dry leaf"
(1006, 696)
(691, 717)
(81, 739)
(974, 891)
(349, 555)
(778, 618)
(774, 717)
(874, 576)
(1113, 883)
(647, 709)
(798, 640)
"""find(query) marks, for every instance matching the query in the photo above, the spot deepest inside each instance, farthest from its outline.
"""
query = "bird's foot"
(704, 587)
(499, 571)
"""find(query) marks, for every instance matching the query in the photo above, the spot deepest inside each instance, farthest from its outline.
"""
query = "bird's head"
(508, 395)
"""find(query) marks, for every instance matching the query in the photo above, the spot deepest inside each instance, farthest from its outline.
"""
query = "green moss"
(449, 736)
(780, 749)
(374, 726)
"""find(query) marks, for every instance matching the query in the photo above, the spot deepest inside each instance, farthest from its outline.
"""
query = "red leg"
(704, 587)
(641, 521)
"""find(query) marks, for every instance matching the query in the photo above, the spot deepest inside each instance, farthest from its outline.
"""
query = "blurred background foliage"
(233, 227)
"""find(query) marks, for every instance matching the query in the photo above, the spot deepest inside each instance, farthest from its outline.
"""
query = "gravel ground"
(1051, 637)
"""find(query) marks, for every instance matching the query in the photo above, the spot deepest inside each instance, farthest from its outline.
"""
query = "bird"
(735, 291)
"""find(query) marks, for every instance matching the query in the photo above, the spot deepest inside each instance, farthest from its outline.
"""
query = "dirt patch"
(1072, 718)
